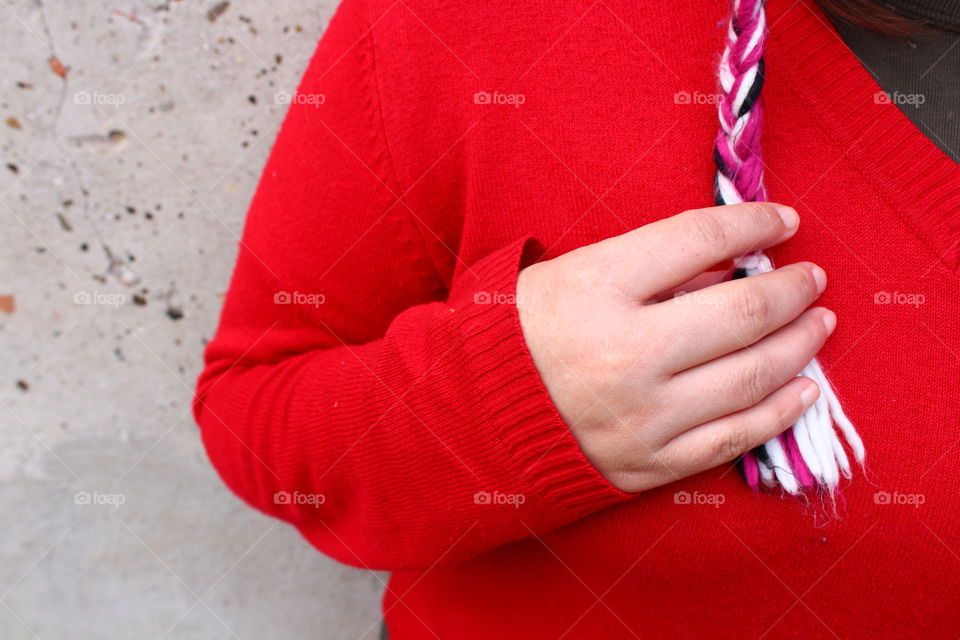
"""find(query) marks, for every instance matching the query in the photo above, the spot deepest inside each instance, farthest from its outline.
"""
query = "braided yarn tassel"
(809, 456)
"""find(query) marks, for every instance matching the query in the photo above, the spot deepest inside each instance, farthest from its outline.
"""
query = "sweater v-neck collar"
(913, 174)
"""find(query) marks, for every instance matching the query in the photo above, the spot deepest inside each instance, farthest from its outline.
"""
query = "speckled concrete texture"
(132, 134)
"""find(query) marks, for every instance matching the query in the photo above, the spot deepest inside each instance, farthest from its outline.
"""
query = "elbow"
(230, 439)
(304, 476)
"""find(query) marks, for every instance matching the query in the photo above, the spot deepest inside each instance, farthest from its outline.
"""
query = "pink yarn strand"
(739, 178)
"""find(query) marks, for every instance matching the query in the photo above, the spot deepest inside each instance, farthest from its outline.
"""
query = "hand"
(656, 386)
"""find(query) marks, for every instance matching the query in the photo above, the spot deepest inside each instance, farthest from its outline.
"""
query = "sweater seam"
(390, 162)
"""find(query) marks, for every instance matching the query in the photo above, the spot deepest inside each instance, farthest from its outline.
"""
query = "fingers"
(705, 279)
(726, 438)
(732, 315)
(669, 252)
(743, 378)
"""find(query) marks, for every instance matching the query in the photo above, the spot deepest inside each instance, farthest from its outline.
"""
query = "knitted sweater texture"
(369, 381)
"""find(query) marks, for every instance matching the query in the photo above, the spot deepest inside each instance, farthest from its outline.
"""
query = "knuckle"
(751, 312)
(778, 417)
(732, 442)
(764, 216)
(592, 271)
(812, 336)
(757, 379)
(610, 365)
(711, 233)
(801, 283)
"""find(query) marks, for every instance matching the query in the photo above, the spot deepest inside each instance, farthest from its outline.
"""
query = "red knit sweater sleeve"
(394, 422)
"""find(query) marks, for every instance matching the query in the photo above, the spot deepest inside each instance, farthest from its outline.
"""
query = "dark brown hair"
(872, 15)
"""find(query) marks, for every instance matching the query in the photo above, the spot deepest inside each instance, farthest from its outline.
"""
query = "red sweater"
(395, 386)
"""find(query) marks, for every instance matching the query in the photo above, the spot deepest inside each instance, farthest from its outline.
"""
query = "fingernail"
(789, 215)
(820, 277)
(829, 320)
(809, 394)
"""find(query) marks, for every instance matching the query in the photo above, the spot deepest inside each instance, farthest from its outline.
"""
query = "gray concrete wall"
(125, 180)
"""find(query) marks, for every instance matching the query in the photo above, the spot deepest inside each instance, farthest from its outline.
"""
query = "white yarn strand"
(801, 434)
(821, 433)
(841, 456)
(816, 437)
(767, 477)
(815, 372)
(781, 468)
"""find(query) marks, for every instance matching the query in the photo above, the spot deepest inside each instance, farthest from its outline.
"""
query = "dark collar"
(944, 14)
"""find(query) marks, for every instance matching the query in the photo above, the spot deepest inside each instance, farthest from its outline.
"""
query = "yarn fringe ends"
(809, 458)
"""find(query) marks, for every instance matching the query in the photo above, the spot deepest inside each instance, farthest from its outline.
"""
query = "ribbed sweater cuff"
(540, 446)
